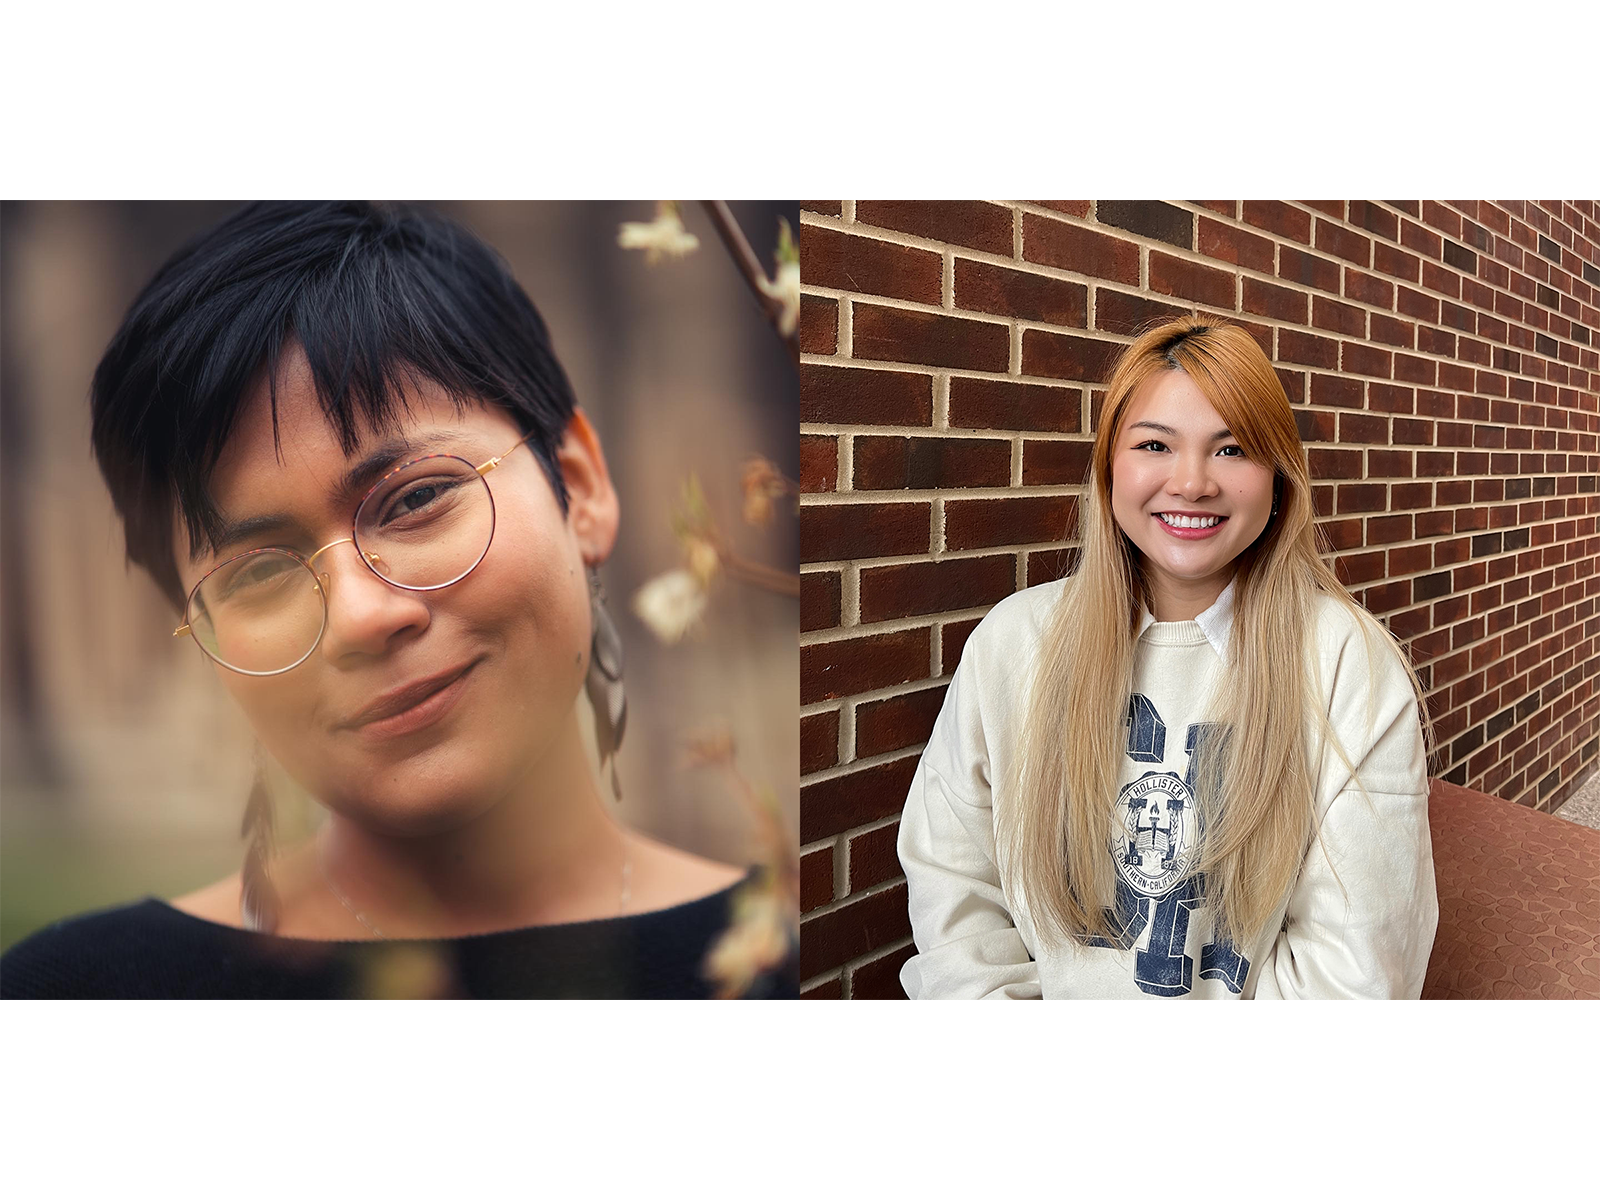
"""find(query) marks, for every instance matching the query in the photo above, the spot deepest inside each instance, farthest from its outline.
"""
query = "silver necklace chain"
(625, 895)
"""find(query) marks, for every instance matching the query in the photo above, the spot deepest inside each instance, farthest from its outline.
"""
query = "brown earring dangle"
(258, 901)
(604, 683)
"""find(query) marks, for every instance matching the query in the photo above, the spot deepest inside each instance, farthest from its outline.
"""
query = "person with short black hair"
(340, 441)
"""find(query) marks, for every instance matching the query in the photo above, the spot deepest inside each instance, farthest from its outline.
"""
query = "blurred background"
(124, 767)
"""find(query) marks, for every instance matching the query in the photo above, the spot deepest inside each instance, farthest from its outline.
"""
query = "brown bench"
(1519, 901)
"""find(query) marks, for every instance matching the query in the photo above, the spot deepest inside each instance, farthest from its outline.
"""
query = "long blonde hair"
(1256, 786)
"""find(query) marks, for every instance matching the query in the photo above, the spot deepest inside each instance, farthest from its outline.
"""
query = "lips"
(407, 697)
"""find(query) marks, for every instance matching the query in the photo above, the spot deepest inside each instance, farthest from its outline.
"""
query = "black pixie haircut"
(378, 296)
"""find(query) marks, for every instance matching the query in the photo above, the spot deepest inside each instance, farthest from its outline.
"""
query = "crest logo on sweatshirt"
(1160, 832)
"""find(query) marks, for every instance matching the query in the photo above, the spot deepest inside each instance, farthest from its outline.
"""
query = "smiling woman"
(1196, 768)
(342, 445)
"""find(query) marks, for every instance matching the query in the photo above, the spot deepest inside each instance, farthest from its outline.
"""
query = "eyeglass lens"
(425, 526)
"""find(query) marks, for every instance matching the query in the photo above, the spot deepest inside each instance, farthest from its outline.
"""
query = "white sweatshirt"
(1363, 932)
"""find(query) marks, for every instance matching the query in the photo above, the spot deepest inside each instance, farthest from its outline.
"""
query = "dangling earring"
(258, 901)
(604, 684)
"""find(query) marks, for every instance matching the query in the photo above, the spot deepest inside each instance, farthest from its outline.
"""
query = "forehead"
(301, 458)
(1172, 398)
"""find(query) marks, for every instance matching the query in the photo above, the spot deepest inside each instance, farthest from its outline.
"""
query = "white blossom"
(671, 604)
(786, 290)
(663, 236)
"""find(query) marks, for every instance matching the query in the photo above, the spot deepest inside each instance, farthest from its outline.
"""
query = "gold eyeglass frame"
(320, 581)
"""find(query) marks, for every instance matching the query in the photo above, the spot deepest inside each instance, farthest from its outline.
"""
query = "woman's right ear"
(592, 509)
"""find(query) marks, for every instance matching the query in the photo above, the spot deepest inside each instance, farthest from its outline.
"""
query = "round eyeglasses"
(425, 525)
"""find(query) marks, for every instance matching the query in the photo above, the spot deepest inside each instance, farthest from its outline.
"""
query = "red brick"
(1373, 219)
(912, 589)
(1382, 530)
(1315, 425)
(1232, 244)
(1339, 317)
(851, 930)
(819, 600)
(1362, 359)
(1055, 462)
(897, 722)
(930, 462)
(1423, 241)
(1118, 312)
(1269, 300)
(1435, 341)
(816, 878)
(850, 396)
(1341, 535)
(1368, 289)
(846, 667)
(1333, 208)
(1388, 397)
(1014, 521)
(819, 741)
(1335, 463)
(1067, 356)
(828, 989)
(1391, 331)
(1073, 208)
(835, 532)
(1415, 304)
(1001, 404)
(1047, 566)
(1390, 464)
(1074, 248)
(1276, 217)
(872, 857)
(1440, 217)
(1395, 263)
(830, 259)
(1307, 348)
(830, 806)
(928, 339)
(1293, 383)
(832, 208)
(1335, 391)
(1308, 269)
(1022, 295)
(952, 640)
(1363, 428)
(1389, 596)
(1344, 243)
(819, 325)
(819, 462)
(973, 223)
(880, 978)
(1171, 276)
(1437, 279)
(1359, 568)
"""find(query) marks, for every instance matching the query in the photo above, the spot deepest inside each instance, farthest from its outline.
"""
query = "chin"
(417, 799)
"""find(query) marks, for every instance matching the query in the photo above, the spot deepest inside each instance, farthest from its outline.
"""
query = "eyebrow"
(1171, 432)
(357, 479)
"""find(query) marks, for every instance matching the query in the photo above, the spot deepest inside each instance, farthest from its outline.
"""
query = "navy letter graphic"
(1165, 969)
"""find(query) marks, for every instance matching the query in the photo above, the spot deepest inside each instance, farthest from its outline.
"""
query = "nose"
(366, 616)
(1191, 476)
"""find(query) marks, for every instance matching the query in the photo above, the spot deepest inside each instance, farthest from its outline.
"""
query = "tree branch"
(750, 267)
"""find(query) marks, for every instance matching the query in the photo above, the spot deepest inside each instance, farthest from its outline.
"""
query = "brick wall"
(1441, 358)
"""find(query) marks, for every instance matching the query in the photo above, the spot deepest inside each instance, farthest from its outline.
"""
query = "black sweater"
(152, 951)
